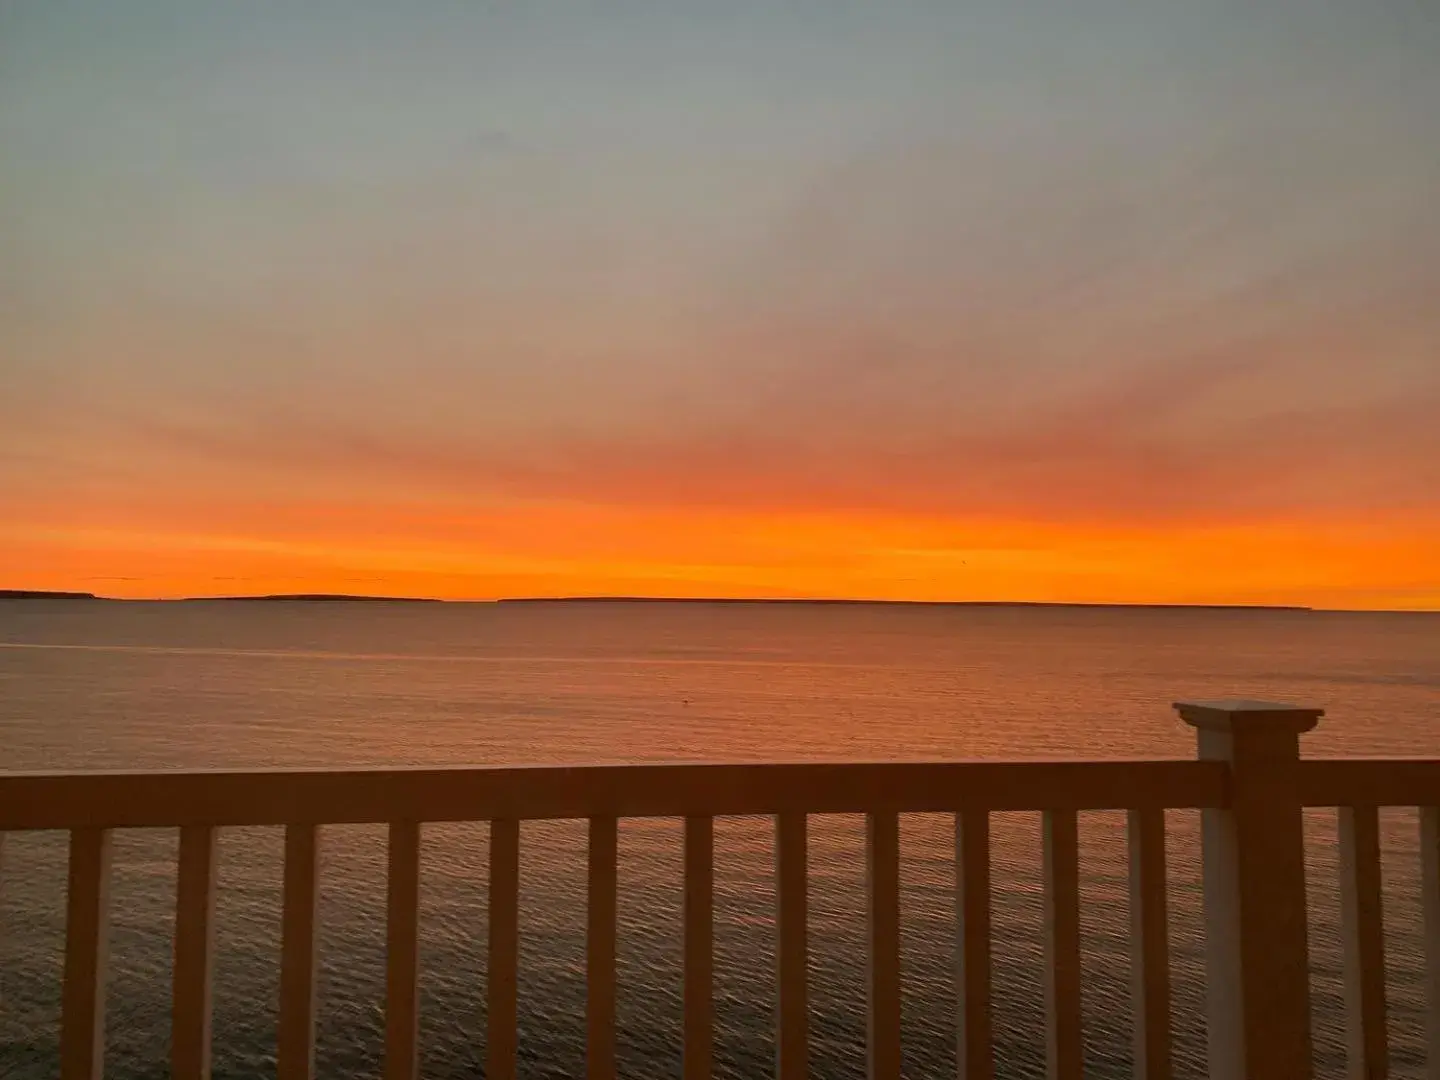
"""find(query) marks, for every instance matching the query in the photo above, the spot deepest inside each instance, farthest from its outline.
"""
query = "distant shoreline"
(313, 598)
(347, 598)
(45, 594)
(729, 601)
(286, 598)
(783, 601)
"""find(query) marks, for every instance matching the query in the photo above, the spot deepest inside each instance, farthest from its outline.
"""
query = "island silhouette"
(775, 601)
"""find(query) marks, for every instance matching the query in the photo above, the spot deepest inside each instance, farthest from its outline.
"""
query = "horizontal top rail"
(1370, 782)
(170, 798)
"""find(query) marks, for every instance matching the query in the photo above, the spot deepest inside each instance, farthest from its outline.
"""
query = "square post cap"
(1248, 716)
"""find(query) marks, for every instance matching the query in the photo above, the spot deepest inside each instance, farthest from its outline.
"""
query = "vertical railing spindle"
(1363, 942)
(82, 1005)
(1149, 945)
(402, 961)
(699, 917)
(2, 887)
(792, 1034)
(1063, 1043)
(600, 950)
(194, 954)
(295, 1058)
(882, 866)
(1430, 925)
(973, 1050)
(501, 1009)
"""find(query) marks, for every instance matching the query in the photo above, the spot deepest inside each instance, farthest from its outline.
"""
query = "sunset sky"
(1081, 300)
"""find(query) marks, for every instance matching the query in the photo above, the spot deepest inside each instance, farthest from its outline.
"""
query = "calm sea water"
(134, 685)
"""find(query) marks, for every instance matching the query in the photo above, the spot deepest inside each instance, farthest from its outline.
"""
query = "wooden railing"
(1248, 781)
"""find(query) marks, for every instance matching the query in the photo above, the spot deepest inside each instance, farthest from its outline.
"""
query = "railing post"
(1257, 964)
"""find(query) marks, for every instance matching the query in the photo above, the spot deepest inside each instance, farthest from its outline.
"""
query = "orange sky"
(1045, 305)
(559, 549)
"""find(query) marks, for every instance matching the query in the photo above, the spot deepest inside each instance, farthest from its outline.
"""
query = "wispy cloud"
(1130, 450)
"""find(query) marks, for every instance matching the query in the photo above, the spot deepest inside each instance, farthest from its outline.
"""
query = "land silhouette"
(778, 601)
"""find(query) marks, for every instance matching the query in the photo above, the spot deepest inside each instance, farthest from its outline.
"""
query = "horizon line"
(50, 594)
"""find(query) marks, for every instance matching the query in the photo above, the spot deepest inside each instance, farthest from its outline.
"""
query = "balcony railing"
(1248, 780)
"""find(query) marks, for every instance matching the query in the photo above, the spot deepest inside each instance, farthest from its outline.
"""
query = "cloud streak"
(1129, 452)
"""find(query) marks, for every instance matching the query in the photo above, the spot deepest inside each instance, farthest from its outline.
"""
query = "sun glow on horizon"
(577, 550)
